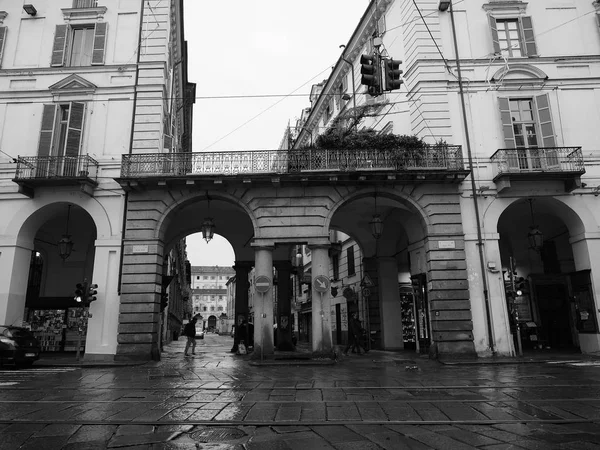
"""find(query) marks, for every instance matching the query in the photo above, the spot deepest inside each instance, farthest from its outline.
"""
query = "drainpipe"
(473, 188)
(135, 96)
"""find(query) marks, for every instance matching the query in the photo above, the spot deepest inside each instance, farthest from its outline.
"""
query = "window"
(60, 136)
(350, 257)
(212, 308)
(220, 308)
(527, 127)
(198, 277)
(335, 261)
(204, 308)
(80, 45)
(513, 37)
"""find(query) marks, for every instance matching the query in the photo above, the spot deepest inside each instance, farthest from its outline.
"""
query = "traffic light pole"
(515, 311)
(353, 90)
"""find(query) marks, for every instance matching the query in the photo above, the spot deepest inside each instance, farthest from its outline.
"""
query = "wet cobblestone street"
(218, 400)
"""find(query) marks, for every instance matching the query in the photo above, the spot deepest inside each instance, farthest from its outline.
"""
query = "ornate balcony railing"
(85, 3)
(40, 168)
(557, 160)
(434, 158)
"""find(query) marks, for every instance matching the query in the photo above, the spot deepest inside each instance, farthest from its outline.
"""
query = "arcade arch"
(557, 309)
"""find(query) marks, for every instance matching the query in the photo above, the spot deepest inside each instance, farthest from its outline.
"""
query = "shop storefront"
(60, 324)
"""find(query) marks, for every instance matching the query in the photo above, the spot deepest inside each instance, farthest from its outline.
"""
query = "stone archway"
(557, 307)
(422, 244)
(38, 226)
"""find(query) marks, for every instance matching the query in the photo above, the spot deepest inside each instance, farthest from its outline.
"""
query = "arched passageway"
(547, 275)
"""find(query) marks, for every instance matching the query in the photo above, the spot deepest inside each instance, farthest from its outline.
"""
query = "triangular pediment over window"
(73, 84)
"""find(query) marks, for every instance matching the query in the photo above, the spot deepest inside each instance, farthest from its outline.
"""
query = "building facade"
(210, 295)
(514, 84)
(83, 82)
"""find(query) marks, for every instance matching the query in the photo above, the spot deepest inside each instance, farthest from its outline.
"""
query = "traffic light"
(392, 71)
(521, 286)
(80, 292)
(91, 297)
(370, 70)
(164, 300)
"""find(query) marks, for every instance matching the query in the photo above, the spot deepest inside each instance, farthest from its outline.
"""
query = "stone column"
(101, 339)
(14, 276)
(391, 310)
(242, 268)
(263, 305)
(284, 306)
(322, 342)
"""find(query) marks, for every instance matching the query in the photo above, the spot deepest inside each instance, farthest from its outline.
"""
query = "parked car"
(18, 346)
(199, 333)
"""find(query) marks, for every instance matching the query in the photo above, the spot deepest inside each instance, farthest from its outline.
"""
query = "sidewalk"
(303, 357)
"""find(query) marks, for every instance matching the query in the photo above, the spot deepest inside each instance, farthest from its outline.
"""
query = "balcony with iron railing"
(538, 163)
(80, 4)
(37, 171)
(435, 162)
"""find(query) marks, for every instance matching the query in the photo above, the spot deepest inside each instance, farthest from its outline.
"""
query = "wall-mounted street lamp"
(444, 5)
(376, 223)
(65, 245)
(208, 226)
(30, 9)
(535, 236)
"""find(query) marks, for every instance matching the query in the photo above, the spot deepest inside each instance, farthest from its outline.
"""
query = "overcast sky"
(276, 49)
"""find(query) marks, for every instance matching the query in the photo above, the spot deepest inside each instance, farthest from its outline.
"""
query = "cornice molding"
(84, 14)
(507, 6)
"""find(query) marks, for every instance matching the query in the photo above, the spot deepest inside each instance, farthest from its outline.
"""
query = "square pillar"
(263, 304)
(322, 341)
(101, 338)
(14, 276)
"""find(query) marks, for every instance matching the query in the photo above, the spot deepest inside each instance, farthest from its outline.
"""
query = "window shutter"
(74, 129)
(2, 39)
(99, 44)
(60, 43)
(546, 128)
(495, 39)
(47, 131)
(528, 36)
(507, 125)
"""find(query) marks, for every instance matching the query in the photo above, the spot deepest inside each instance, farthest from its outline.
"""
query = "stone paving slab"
(371, 402)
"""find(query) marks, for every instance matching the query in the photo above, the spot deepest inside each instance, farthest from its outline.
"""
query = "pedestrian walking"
(189, 331)
(354, 332)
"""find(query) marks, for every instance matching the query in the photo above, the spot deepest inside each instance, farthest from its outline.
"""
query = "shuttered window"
(99, 43)
(527, 127)
(61, 129)
(83, 45)
(513, 37)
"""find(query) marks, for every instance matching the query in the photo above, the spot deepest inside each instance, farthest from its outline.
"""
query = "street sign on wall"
(262, 284)
(321, 283)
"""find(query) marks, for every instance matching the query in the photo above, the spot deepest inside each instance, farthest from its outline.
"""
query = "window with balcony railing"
(85, 3)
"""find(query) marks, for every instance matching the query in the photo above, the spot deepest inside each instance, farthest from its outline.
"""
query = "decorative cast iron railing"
(56, 167)
(539, 159)
(434, 158)
(85, 3)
